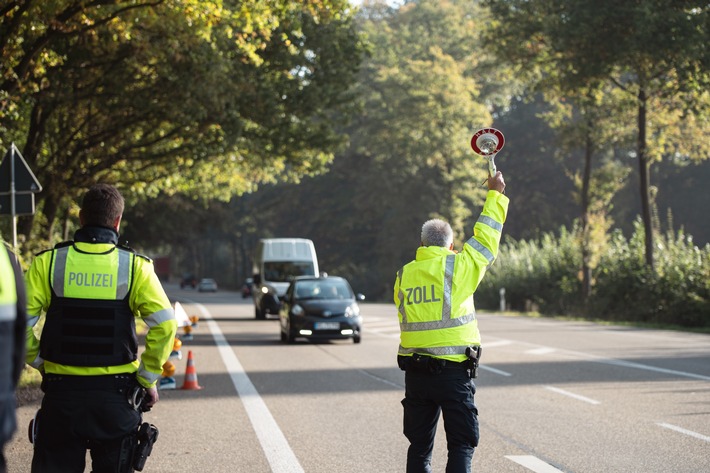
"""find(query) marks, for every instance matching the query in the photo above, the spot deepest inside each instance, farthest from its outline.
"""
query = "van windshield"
(285, 271)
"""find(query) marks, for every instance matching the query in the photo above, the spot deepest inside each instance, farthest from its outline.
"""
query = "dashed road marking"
(572, 395)
(533, 463)
(684, 431)
(493, 370)
(541, 351)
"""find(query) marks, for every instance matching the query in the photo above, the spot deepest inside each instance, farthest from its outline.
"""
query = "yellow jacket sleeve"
(38, 298)
(481, 250)
(150, 303)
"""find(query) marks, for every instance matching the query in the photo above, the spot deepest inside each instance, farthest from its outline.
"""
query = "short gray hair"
(436, 232)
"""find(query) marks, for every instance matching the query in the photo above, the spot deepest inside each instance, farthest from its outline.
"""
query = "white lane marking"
(493, 370)
(572, 395)
(611, 361)
(541, 351)
(629, 364)
(533, 463)
(276, 448)
(684, 431)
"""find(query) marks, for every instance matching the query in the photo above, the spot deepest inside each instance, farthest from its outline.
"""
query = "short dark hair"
(102, 205)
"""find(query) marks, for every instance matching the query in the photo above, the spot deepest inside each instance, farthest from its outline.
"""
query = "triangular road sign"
(25, 180)
(24, 204)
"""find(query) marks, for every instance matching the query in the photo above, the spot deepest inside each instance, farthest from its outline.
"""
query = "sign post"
(17, 188)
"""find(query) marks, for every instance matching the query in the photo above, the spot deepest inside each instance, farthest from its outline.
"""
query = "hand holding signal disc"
(487, 142)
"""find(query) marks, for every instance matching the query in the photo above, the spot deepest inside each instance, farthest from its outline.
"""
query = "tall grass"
(545, 274)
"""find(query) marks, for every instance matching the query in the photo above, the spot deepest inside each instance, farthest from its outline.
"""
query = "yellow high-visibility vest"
(434, 293)
(8, 290)
(89, 320)
(99, 274)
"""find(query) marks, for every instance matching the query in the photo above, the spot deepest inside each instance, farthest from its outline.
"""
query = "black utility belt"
(109, 382)
(429, 364)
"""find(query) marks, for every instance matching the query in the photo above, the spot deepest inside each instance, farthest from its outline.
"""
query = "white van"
(276, 262)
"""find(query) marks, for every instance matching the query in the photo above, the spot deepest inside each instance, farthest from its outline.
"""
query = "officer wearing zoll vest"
(89, 292)
(439, 341)
(12, 342)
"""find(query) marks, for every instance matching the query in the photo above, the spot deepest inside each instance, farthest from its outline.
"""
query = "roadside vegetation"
(544, 276)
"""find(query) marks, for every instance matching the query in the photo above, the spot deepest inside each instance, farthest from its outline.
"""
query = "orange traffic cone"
(190, 374)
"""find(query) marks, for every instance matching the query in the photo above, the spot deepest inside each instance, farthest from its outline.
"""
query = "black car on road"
(320, 308)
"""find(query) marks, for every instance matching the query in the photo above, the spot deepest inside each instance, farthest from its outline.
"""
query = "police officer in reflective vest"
(439, 341)
(89, 292)
(12, 342)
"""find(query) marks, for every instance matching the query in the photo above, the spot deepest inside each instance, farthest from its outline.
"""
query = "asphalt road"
(552, 396)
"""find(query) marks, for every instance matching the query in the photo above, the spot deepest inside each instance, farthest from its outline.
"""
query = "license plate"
(327, 325)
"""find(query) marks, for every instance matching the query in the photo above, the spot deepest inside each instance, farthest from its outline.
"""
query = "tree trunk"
(586, 252)
(50, 210)
(644, 178)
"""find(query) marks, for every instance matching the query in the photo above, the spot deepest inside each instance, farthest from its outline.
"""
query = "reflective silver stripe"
(402, 312)
(486, 220)
(147, 375)
(157, 318)
(8, 312)
(124, 266)
(437, 324)
(448, 285)
(37, 362)
(60, 265)
(478, 246)
(32, 320)
(434, 351)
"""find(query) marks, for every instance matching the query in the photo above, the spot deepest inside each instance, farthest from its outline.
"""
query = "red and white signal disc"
(486, 136)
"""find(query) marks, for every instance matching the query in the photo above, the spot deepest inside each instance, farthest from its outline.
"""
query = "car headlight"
(264, 289)
(352, 310)
(297, 310)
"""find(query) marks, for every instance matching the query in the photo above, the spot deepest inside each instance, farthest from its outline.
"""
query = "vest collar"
(428, 252)
(91, 234)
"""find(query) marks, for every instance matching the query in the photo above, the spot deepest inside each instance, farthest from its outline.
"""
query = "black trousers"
(427, 395)
(79, 414)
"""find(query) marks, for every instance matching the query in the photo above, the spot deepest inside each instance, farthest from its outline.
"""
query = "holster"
(474, 357)
(145, 438)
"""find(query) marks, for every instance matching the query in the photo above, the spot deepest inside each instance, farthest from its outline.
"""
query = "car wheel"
(291, 336)
(259, 313)
(357, 339)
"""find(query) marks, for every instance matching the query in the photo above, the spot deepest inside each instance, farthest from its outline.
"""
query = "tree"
(192, 96)
(409, 157)
(654, 51)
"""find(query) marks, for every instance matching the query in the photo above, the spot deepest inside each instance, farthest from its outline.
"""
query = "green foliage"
(542, 272)
(203, 98)
(678, 293)
(653, 52)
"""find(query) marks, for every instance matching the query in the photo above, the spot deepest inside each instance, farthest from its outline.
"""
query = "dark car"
(320, 308)
(247, 287)
(188, 280)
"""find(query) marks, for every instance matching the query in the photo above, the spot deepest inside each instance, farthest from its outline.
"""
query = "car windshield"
(322, 290)
(284, 271)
